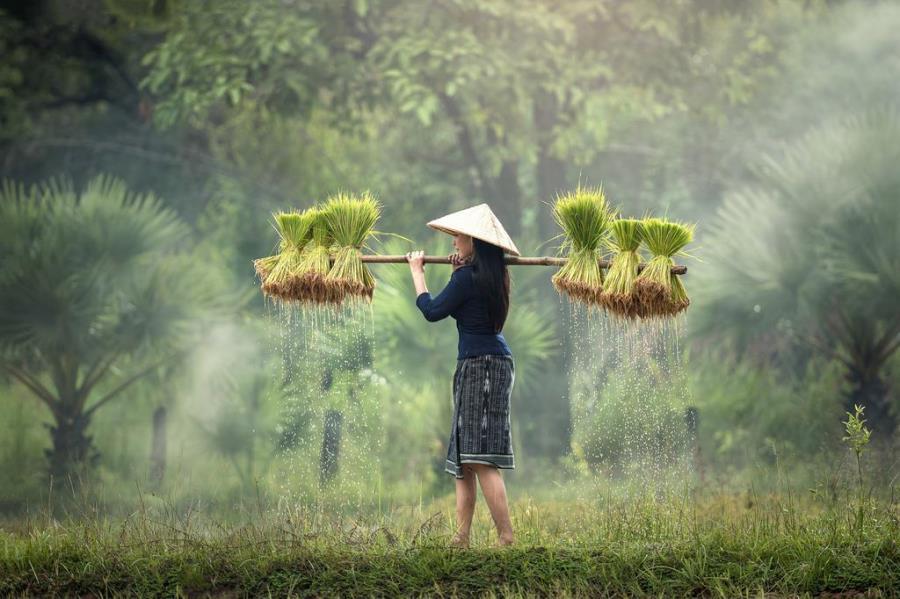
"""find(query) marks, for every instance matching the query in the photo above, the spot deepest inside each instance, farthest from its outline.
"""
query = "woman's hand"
(457, 261)
(416, 261)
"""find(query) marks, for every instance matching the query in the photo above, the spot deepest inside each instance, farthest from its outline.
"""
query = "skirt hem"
(450, 465)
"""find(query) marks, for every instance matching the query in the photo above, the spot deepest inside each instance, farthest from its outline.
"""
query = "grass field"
(725, 545)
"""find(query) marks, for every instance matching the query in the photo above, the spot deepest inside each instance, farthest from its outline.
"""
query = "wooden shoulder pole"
(510, 260)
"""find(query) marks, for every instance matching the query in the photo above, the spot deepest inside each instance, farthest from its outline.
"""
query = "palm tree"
(808, 260)
(96, 291)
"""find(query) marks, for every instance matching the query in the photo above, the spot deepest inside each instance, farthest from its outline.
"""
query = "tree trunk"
(551, 171)
(508, 202)
(72, 451)
(870, 390)
(551, 181)
(331, 435)
(158, 451)
(331, 446)
(692, 420)
(550, 176)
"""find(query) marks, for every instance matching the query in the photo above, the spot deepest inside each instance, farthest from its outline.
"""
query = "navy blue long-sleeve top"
(463, 301)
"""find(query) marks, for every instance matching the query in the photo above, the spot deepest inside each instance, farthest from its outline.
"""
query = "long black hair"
(491, 277)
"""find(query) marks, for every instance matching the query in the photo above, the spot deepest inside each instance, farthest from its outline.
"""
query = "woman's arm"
(417, 268)
(419, 282)
(446, 301)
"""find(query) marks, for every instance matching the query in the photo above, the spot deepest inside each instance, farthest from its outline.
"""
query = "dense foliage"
(772, 125)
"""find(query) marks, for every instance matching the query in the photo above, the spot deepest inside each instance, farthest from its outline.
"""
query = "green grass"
(722, 546)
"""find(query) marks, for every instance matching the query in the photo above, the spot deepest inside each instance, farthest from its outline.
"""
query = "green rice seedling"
(315, 264)
(263, 266)
(584, 217)
(282, 270)
(618, 291)
(351, 220)
(660, 292)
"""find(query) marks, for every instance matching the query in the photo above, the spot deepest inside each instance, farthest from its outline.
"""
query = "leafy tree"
(810, 255)
(70, 101)
(59, 56)
(97, 290)
(507, 92)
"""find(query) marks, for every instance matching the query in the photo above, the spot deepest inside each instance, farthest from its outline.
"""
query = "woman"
(477, 297)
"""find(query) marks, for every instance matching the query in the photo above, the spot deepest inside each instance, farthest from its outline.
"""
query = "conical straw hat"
(479, 222)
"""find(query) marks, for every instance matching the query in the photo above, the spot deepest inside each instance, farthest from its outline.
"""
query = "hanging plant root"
(624, 305)
(656, 300)
(577, 290)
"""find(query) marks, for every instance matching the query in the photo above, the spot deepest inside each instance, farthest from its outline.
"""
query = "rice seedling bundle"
(279, 273)
(351, 220)
(584, 217)
(618, 291)
(264, 266)
(660, 292)
(315, 263)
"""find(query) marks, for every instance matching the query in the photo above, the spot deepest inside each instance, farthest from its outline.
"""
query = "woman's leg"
(494, 492)
(465, 505)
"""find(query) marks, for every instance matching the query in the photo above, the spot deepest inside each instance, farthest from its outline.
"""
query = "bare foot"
(460, 541)
(505, 541)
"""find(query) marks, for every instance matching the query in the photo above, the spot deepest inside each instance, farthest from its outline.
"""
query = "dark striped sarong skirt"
(480, 430)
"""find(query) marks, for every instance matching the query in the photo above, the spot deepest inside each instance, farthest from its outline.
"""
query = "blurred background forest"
(144, 145)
